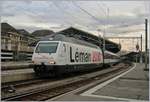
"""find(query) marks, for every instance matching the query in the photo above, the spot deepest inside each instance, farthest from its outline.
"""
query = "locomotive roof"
(61, 37)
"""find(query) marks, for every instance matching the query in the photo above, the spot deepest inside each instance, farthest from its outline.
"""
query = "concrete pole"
(104, 45)
(146, 21)
(141, 59)
(104, 40)
(101, 43)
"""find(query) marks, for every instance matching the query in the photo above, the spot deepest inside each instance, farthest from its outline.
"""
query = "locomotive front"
(45, 56)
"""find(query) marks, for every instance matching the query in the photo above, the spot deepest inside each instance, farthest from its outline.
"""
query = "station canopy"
(88, 37)
(78, 34)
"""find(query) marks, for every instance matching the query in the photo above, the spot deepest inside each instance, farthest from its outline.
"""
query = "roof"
(25, 33)
(87, 37)
(5, 27)
(61, 37)
(82, 35)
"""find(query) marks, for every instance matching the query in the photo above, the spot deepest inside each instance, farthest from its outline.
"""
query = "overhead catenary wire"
(67, 13)
(77, 18)
(102, 9)
(60, 10)
(82, 9)
(89, 14)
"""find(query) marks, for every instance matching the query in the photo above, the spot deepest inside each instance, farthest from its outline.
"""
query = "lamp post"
(101, 43)
(146, 68)
(141, 59)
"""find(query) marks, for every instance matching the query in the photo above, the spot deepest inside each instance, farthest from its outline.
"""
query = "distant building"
(81, 35)
(25, 40)
(42, 33)
(86, 36)
(15, 40)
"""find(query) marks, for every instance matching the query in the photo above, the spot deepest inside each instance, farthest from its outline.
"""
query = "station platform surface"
(17, 75)
(132, 85)
(11, 65)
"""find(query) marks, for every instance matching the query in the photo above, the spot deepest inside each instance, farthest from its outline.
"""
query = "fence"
(6, 56)
(13, 56)
(29, 56)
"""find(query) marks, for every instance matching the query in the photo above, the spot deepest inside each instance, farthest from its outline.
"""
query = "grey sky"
(115, 17)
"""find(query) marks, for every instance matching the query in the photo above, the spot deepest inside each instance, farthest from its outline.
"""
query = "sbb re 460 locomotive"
(55, 57)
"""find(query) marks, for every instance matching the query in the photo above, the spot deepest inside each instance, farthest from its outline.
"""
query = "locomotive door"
(63, 53)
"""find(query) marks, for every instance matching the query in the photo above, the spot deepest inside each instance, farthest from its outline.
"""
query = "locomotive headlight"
(34, 62)
(51, 62)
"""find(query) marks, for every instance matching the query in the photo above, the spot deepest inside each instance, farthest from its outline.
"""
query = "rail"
(56, 88)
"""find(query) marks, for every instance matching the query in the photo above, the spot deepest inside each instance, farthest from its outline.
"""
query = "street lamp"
(146, 55)
(141, 59)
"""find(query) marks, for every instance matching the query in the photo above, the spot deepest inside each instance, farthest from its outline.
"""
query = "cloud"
(54, 14)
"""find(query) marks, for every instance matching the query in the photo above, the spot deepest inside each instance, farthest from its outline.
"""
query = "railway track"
(7, 85)
(51, 88)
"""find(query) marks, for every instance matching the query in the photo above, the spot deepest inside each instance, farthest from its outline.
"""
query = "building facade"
(13, 40)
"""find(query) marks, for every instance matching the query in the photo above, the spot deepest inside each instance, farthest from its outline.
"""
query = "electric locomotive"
(62, 54)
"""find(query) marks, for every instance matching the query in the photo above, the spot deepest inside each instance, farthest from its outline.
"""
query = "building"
(88, 37)
(14, 40)
(25, 40)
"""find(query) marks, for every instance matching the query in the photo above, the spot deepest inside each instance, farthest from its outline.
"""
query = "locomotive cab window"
(47, 47)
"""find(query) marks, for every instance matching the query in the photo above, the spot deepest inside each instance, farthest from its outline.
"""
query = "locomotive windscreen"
(46, 47)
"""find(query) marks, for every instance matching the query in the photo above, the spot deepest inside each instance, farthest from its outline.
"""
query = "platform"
(17, 75)
(15, 65)
(132, 85)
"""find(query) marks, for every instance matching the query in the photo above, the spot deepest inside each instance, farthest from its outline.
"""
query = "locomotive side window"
(46, 47)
